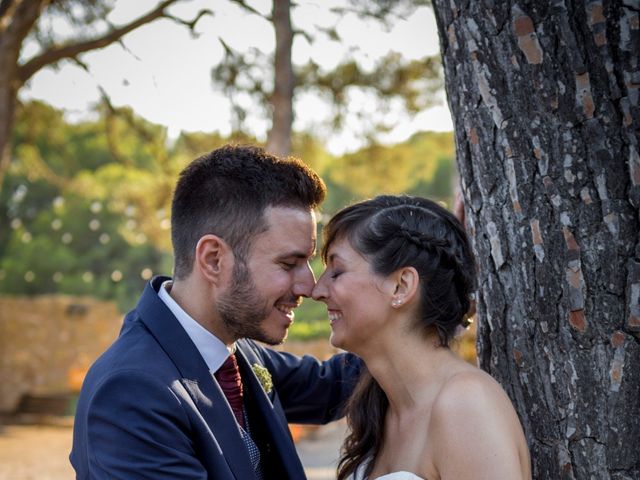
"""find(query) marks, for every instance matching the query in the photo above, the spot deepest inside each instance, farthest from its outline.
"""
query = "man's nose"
(304, 282)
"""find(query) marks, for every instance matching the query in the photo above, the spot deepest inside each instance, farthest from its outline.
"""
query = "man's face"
(267, 287)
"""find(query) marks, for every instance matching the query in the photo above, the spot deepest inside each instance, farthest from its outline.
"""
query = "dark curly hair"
(392, 232)
(226, 192)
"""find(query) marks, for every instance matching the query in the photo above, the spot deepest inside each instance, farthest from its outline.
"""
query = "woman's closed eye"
(335, 274)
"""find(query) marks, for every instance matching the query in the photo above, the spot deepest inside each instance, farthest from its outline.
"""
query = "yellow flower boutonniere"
(264, 376)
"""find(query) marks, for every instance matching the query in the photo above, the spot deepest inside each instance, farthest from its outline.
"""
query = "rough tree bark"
(279, 138)
(544, 94)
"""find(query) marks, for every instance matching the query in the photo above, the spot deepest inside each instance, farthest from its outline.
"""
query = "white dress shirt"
(213, 350)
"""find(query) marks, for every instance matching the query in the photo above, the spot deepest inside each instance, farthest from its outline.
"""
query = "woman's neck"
(411, 368)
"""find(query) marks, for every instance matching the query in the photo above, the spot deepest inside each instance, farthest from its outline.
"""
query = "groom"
(185, 392)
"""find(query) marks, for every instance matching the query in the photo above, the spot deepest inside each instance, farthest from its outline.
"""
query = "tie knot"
(228, 376)
(229, 367)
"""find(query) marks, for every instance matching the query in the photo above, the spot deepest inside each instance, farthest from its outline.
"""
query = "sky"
(164, 73)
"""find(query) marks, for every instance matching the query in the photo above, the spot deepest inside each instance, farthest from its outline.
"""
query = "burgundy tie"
(228, 376)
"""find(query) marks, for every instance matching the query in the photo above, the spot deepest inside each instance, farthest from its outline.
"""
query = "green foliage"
(305, 330)
(424, 165)
(74, 210)
(376, 169)
(73, 246)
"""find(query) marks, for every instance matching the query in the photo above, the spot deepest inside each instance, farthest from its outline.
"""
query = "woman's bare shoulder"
(474, 430)
(471, 390)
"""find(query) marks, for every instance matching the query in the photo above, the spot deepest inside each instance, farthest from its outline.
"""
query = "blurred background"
(103, 102)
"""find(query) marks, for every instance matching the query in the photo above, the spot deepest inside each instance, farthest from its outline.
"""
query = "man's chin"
(272, 339)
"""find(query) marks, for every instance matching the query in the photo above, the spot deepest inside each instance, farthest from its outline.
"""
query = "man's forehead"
(290, 232)
(276, 216)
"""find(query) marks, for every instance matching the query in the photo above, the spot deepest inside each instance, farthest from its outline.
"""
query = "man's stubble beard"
(242, 310)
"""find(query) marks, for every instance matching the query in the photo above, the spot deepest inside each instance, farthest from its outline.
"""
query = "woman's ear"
(407, 281)
(213, 258)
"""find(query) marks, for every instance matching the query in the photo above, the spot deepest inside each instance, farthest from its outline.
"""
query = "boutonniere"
(264, 376)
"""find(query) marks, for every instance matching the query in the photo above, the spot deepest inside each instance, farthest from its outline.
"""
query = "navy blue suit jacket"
(149, 407)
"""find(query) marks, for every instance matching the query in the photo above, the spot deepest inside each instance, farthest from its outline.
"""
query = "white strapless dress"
(399, 476)
(359, 475)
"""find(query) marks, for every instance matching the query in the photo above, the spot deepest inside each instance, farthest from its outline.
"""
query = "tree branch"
(306, 35)
(191, 25)
(72, 50)
(4, 6)
(250, 9)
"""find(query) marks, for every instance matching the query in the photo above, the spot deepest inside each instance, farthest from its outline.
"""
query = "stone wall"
(47, 343)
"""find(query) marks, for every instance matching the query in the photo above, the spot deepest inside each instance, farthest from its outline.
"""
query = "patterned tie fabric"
(228, 376)
(254, 451)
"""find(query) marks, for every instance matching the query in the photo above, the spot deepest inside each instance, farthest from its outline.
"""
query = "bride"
(398, 281)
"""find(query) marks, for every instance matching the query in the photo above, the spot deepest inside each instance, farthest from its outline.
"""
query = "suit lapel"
(274, 419)
(197, 379)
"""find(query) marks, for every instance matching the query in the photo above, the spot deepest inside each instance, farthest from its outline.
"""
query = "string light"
(20, 193)
(96, 207)
(116, 275)
(146, 274)
(58, 202)
(29, 276)
(94, 224)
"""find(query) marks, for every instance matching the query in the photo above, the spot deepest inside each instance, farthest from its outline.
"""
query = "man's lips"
(286, 309)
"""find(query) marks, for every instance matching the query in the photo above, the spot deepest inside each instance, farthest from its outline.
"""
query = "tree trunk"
(15, 23)
(544, 94)
(279, 138)
(7, 115)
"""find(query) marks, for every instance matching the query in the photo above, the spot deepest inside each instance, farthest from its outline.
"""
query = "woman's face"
(357, 299)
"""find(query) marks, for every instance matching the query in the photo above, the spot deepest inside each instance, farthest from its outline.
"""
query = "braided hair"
(393, 232)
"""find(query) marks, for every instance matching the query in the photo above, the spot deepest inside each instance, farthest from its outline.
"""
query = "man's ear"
(406, 281)
(214, 258)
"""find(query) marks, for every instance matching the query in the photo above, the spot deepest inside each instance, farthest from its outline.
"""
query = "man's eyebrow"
(298, 255)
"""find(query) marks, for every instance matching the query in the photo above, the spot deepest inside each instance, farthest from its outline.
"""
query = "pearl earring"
(396, 303)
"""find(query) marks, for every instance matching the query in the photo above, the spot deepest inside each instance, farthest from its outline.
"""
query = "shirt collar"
(213, 350)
